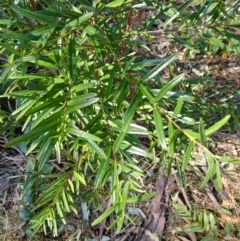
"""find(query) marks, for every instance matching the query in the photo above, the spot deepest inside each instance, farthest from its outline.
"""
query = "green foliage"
(92, 97)
(200, 221)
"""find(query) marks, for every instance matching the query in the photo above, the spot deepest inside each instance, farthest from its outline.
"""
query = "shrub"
(88, 100)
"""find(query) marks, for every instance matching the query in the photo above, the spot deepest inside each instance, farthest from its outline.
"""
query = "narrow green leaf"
(77, 186)
(234, 38)
(217, 178)
(159, 128)
(11, 49)
(191, 134)
(193, 227)
(128, 116)
(172, 142)
(80, 87)
(178, 12)
(38, 32)
(101, 172)
(168, 163)
(186, 119)
(33, 134)
(113, 223)
(96, 149)
(76, 23)
(21, 37)
(159, 68)
(183, 42)
(137, 129)
(69, 196)
(65, 201)
(141, 198)
(45, 63)
(22, 93)
(117, 3)
(235, 44)
(25, 106)
(72, 59)
(68, 156)
(146, 92)
(80, 102)
(55, 229)
(178, 107)
(231, 96)
(187, 155)
(71, 185)
(46, 149)
(115, 185)
(130, 171)
(48, 116)
(217, 126)
(5, 75)
(5, 21)
(135, 150)
(218, 42)
(90, 30)
(117, 143)
(34, 15)
(107, 213)
(80, 178)
(121, 94)
(81, 134)
(46, 36)
(45, 105)
(168, 87)
(60, 212)
(211, 170)
(202, 133)
(170, 130)
(235, 161)
(120, 220)
(205, 220)
(74, 208)
(122, 204)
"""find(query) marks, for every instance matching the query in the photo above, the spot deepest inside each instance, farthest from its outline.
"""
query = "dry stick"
(15, 160)
(15, 148)
(226, 134)
(33, 5)
(4, 185)
(130, 14)
(128, 26)
(158, 208)
(126, 231)
(183, 192)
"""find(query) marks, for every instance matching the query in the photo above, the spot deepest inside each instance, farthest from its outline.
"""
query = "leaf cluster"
(200, 221)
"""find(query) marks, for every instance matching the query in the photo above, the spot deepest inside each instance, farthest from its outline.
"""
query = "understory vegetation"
(115, 107)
